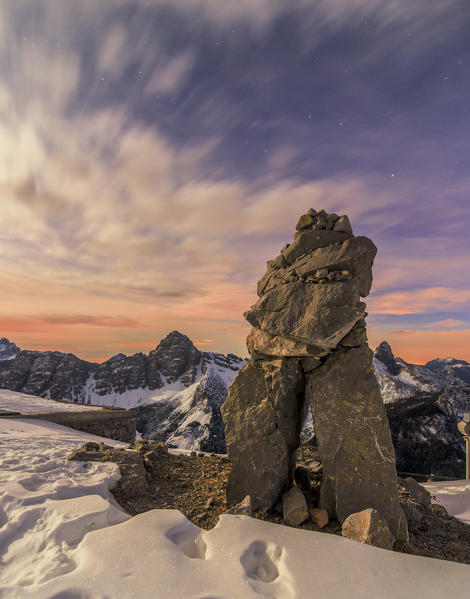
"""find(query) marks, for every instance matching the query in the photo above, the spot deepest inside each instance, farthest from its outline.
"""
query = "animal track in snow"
(265, 572)
(187, 537)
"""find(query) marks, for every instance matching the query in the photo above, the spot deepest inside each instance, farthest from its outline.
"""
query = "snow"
(454, 496)
(410, 380)
(132, 398)
(31, 404)
(63, 537)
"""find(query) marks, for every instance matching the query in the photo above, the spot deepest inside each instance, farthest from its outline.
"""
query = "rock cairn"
(309, 347)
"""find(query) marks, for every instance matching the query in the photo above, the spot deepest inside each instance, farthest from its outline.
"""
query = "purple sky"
(154, 155)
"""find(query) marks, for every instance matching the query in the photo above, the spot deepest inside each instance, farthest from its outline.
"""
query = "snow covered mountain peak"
(384, 354)
(450, 367)
(175, 356)
(8, 349)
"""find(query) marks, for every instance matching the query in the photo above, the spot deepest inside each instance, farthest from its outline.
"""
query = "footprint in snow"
(187, 537)
(266, 573)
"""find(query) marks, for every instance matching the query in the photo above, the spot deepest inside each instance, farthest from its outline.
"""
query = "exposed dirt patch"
(195, 485)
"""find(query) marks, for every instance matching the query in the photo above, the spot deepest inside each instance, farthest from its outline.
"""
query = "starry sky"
(154, 154)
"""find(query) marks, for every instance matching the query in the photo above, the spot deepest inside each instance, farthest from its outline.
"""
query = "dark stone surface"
(384, 353)
(354, 439)
(263, 415)
(175, 356)
(112, 424)
(117, 375)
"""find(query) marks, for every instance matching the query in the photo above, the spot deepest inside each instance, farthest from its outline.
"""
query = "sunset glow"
(154, 155)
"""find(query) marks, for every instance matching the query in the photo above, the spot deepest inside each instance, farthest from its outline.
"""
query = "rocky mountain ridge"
(8, 350)
(177, 390)
(424, 405)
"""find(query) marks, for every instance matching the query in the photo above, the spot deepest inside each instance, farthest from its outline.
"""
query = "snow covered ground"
(454, 496)
(31, 404)
(62, 537)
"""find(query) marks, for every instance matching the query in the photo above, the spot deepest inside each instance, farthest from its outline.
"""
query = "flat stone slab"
(103, 421)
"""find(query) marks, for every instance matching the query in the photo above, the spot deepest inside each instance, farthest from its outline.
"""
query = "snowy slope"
(31, 404)
(398, 379)
(450, 368)
(454, 496)
(62, 536)
(189, 417)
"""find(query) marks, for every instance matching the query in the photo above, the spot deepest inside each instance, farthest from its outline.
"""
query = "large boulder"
(263, 416)
(354, 439)
(316, 314)
(368, 527)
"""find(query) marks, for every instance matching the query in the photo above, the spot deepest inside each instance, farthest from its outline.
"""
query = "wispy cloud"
(99, 321)
(418, 301)
(447, 323)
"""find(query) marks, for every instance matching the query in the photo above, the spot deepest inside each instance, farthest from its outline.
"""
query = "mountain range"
(176, 392)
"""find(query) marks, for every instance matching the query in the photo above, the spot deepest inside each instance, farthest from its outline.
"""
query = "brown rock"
(309, 364)
(311, 240)
(315, 467)
(305, 221)
(368, 527)
(317, 315)
(145, 445)
(294, 507)
(319, 516)
(309, 325)
(343, 225)
(262, 342)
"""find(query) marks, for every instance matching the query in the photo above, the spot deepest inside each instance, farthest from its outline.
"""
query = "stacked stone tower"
(309, 347)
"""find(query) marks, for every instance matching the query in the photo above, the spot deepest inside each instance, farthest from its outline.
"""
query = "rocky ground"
(195, 484)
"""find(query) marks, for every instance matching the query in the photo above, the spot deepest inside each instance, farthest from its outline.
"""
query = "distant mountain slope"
(450, 368)
(424, 405)
(175, 392)
(398, 379)
(8, 351)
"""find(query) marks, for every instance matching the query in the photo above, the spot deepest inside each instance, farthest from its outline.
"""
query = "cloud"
(320, 14)
(40, 322)
(418, 301)
(111, 57)
(169, 77)
(447, 323)
(105, 212)
(203, 342)
(99, 321)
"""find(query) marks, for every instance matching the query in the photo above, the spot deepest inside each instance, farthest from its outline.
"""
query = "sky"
(154, 154)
